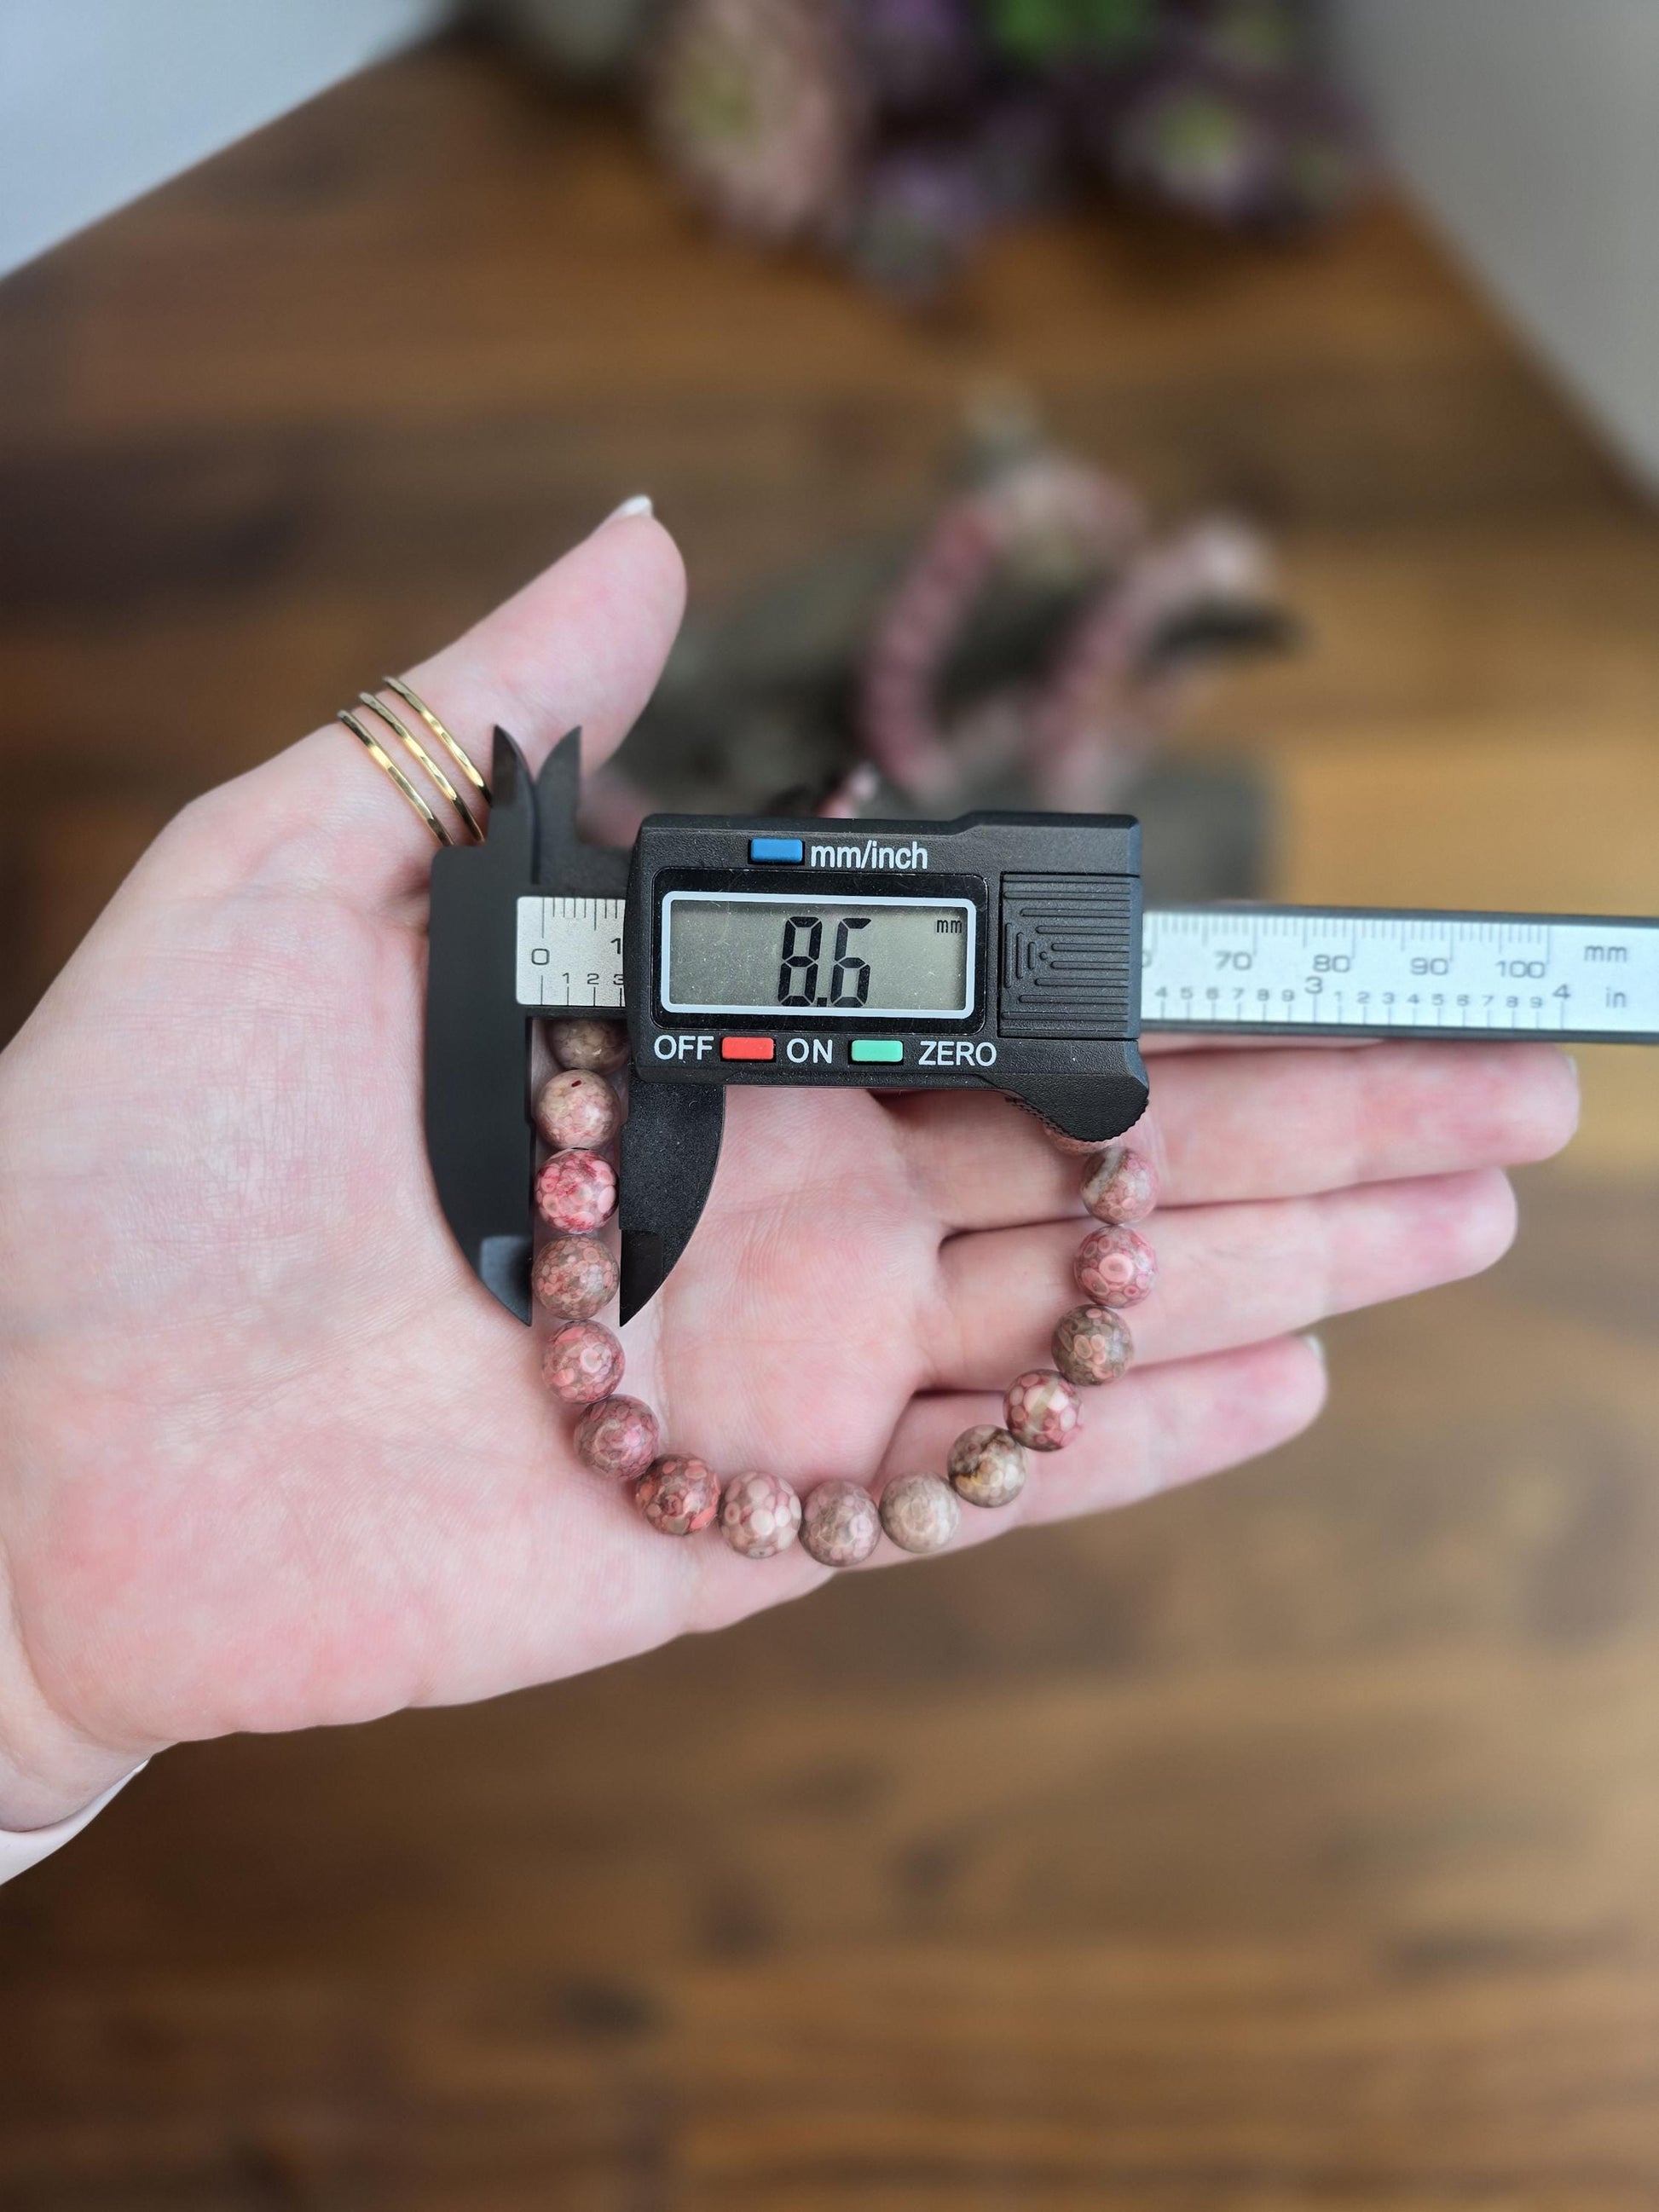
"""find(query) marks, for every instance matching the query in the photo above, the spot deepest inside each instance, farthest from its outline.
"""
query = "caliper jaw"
(478, 1134)
(1094, 1109)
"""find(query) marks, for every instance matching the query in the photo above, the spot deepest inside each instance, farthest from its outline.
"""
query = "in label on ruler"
(1285, 970)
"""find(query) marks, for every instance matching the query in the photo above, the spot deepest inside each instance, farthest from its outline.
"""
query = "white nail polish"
(639, 504)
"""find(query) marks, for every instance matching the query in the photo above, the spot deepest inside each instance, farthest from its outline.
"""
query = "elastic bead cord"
(758, 1514)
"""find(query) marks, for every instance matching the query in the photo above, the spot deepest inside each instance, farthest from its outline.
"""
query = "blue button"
(777, 848)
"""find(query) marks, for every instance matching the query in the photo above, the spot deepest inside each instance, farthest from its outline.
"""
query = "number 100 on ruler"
(1366, 972)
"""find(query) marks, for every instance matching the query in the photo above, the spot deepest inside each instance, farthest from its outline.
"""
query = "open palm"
(269, 1456)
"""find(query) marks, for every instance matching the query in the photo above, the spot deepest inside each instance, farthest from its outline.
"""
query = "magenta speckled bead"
(986, 1466)
(840, 1525)
(584, 1041)
(577, 1110)
(574, 1277)
(1092, 1344)
(1121, 1186)
(760, 1515)
(1042, 1410)
(617, 1436)
(1116, 1267)
(678, 1495)
(581, 1362)
(576, 1191)
(920, 1512)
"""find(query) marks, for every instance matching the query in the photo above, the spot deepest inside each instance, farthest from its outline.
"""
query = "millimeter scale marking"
(1326, 971)
(1380, 972)
(569, 952)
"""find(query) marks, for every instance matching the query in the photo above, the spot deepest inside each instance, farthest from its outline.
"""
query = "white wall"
(1529, 131)
(101, 99)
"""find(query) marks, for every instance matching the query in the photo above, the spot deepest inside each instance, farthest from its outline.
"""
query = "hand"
(270, 1456)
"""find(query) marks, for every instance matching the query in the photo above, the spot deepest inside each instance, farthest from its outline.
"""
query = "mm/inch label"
(1366, 972)
(569, 953)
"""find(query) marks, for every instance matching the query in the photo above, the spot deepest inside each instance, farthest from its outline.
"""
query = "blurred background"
(1292, 1842)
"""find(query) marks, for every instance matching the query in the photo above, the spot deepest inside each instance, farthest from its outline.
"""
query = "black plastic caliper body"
(1001, 953)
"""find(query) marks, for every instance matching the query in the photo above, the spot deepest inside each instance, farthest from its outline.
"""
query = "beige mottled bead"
(679, 1495)
(581, 1362)
(1076, 1148)
(574, 1277)
(760, 1515)
(1092, 1345)
(577, 1110)
(986, 1466)
(840, 1525)
(920, 1512)
(1116, 1267)
(1121, 1186)
(585, 1041)
(617, 1436)
(1042, 1410)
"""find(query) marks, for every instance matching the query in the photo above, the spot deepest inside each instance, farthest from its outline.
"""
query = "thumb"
(582, 645)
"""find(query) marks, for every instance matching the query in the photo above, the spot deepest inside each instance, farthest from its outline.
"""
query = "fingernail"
(639, 504)
(1315, 1344)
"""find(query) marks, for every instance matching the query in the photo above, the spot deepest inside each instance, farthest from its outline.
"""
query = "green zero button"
(866, 1049)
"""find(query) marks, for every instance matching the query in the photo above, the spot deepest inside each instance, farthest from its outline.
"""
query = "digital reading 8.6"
(751, 952)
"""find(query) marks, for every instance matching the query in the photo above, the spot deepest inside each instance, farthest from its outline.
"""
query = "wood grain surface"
(1292, 1843)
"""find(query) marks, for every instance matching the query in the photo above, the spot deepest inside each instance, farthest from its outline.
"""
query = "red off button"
(736, 1048)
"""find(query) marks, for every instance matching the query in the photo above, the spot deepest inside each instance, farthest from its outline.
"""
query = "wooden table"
(1290, 1842)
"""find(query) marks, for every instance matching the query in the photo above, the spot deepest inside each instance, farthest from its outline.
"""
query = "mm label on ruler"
(569, 953)
(1368, 972)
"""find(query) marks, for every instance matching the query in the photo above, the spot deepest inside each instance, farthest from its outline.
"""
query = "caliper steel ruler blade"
(1368, 971)
(1274, 971)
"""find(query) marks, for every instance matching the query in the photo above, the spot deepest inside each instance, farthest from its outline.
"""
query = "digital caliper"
(1002, 952)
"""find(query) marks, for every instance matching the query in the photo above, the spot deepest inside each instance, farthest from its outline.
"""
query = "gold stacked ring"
(400, 730)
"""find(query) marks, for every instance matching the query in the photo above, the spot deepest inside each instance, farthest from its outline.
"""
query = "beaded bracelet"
(577, 1111)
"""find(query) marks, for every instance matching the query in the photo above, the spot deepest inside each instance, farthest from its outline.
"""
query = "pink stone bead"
(584, 1041)
(1116, 1267)
(920, 1512)
(577, 1110)
(1042, 1410)
(574, 1277)
(1121, 1186)
(581, 1362)
(840, 1525)
(1092, 1344)
(576, 1191)
(617, 1436)
(986, 1466)
(760, 1515)
(678, 1495)
(1076, 1148)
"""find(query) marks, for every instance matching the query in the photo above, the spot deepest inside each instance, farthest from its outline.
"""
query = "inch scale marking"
(1371, 971)
(1287, 970)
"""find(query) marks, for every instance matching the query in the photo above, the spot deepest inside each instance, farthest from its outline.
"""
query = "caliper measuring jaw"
(480, 1137)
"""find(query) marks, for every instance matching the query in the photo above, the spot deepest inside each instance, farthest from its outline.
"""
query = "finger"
(581, 646)
(1269, 1125)
(1151, 1432)
(1228, 1275)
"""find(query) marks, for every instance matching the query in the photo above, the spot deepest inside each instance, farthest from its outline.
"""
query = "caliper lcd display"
(755, 952)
